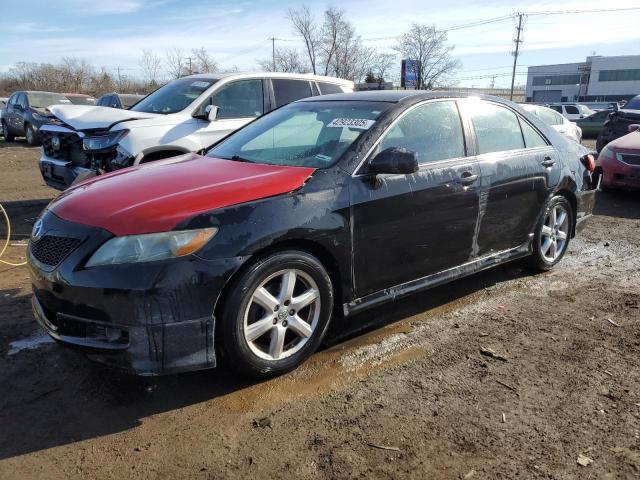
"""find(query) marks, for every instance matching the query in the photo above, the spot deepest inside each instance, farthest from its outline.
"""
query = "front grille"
(70, 149)
(630, 159)
(51, 250)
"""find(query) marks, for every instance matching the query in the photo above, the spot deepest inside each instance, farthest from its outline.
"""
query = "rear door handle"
(467, 178)
(548, 162)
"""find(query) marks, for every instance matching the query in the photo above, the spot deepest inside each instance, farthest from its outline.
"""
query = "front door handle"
(548, 162)
(467, 178)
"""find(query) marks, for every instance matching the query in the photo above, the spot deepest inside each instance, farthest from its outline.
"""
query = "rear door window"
(432, 130)
(497, 128)
(287, 91)
(240, 99)
(326, 88)
(571, 110)
(557, 108)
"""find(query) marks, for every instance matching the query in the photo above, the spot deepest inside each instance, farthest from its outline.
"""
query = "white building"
(597, 79)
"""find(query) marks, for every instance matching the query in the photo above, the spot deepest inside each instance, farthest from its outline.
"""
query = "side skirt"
(433, 280)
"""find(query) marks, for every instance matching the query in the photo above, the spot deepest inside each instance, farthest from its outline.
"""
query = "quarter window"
(241, 99)
(532, 139)
(432, 130)
(326, 88)
(497, 128)
(287, 91)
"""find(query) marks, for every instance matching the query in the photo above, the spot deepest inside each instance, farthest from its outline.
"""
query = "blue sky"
(113, 33)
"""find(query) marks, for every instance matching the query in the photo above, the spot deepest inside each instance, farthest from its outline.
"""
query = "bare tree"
(305, 26)
(429, 48)
(72, 75)
(151, 65)
(286, 60)
(175, 62)
(333, 28)
(204, 63)
(382, 63)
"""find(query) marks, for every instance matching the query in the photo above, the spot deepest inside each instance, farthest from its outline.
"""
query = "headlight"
(102, 142)
(150, 247)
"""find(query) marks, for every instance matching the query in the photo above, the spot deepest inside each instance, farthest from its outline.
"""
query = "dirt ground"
(400, 391)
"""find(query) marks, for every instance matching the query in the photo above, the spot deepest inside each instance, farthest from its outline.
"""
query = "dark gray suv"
(25, 113)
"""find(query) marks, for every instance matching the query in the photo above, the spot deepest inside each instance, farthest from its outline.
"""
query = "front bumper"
(617, 174)
(60, 174)
(149, 318)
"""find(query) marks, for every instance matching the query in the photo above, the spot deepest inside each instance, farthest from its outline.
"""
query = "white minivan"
(186, 115)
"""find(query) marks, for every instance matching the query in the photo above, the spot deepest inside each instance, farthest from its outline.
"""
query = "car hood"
(83, 117)
(628, 143)
(157, 196)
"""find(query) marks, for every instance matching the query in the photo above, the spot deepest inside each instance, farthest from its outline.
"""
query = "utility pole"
(515, 54)
(119, 80)
(273, 51)
(190, 69)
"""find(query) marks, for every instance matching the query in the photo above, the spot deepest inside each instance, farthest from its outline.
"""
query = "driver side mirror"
(634, 127)
(211, 112)
(395, 161)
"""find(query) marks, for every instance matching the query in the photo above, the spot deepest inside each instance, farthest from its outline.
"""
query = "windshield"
(173, 97)
(305, 134)
(633, 104)
(82, 100)
(43, 100)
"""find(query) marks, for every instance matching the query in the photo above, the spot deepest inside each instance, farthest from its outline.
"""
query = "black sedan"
(320, 209)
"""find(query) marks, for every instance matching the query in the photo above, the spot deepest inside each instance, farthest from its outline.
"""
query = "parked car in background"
(617, 125)
(25, 113)
(3, 104)
(619, 162)
(119, 100)
(571, 111)
(599, 106)
(254, 247)
(186, 115)
(80, 98)
(558, 122)
(593, 124)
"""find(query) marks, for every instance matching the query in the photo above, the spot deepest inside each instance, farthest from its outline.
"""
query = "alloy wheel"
(29, 135)
(282, 314)
(555, 232)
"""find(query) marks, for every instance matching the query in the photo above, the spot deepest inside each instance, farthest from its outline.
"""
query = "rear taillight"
(589, 162)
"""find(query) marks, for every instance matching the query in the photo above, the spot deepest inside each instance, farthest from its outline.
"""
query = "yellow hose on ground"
(6, 243)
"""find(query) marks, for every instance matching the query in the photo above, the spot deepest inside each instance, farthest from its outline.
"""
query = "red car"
(620, 161)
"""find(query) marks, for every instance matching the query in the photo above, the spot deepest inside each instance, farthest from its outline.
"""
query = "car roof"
(240, 75)
(396, 96)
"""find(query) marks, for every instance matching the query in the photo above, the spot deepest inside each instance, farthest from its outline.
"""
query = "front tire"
(552, 234)
(31, 135)
(276, 314)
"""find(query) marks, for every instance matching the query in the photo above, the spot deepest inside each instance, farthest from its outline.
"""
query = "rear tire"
(6, 134)
(552, 235)
(276, 314)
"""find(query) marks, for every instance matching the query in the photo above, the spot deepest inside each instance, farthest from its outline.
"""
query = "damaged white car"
(186, 115)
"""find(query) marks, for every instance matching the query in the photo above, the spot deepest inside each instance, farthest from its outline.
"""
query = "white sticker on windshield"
(200, 84)
(359, 123)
